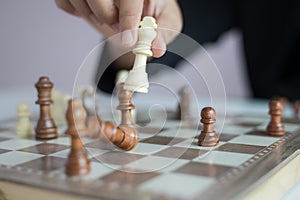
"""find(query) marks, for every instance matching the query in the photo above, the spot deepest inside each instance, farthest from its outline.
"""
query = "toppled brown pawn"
(275, 126)
(77, 162)
(45, 128)
(208, 136)
(125, 136)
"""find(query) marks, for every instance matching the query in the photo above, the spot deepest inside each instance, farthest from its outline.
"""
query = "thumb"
(130, 12)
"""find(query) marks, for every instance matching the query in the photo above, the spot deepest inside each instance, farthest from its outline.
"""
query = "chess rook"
(137, 79)
(125, 136)
(275, 126)
(45, 128)
(77, 162)
(208, 136)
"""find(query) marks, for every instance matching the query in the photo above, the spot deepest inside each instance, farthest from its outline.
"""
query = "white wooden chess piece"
(56, 107)
(65, 100)
(59, 107)
(121, 76)
(137, 79)
(24, 127)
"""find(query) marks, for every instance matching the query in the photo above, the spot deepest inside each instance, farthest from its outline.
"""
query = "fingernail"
(158, 47)
(127, 38)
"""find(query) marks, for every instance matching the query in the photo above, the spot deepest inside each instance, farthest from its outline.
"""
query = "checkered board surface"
(166, 164)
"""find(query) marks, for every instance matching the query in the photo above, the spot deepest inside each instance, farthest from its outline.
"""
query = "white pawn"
(59, 107)
(65, 99)
(137, 79)
(24, 127)
(56, 107)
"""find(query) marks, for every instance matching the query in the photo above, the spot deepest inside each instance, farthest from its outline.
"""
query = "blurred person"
(270, 30)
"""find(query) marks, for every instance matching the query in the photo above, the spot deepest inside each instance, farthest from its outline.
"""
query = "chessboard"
(167, 163)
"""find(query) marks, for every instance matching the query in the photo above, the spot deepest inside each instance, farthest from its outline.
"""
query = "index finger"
(130, 13)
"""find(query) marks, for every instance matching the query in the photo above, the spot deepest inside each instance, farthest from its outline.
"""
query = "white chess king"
(137, 79)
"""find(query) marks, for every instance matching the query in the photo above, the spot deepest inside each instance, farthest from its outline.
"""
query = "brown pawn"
(275, 126)
(45, 128)
(78, 117)
(125, 136)
(283, 100)
(208, 136)
(296, 109)
(127, 125)
(77, 162)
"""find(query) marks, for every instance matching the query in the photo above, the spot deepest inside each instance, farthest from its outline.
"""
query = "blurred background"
(39, 39)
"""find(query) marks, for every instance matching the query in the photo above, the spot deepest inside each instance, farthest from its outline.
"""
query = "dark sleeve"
(106, 72)
(204, 21)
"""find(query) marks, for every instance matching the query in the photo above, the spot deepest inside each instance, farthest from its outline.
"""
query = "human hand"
(114, 16)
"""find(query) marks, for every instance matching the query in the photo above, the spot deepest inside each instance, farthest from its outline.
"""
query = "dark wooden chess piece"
(45, 128)
(275, 126)
(208, 136)
(283, 100)
(296, 109)
(125, 136)
(77, 162)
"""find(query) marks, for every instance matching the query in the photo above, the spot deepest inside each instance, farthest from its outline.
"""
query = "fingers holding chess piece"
(275, 126)
(77, 162)
(208, 136)
(137, 79)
